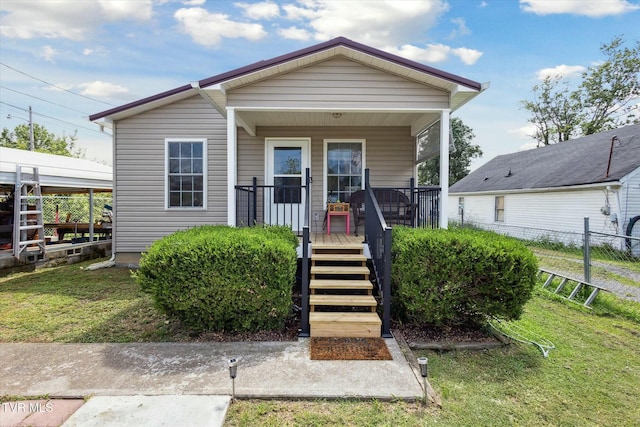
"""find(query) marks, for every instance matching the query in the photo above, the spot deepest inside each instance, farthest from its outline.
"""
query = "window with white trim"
(344, 170)
(186, 173)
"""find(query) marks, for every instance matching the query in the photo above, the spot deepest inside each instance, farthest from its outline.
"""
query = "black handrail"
(305, 329)
(378, 237)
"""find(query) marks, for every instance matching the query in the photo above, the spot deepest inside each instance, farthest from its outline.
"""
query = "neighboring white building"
(58, 174)
(555, 187)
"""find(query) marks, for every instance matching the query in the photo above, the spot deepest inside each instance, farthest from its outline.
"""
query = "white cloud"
(263, 10)
(462, 29)
(395, 21)
(115, 10)
(434, 53)
(194, 2)
(560, 71)
(68, 19)
(48, 53)
(295, 33)
(529, 146)
(466, 55)
(591, 8)
(208, 29)
(102, 89)
(483, 4)
(95, 51)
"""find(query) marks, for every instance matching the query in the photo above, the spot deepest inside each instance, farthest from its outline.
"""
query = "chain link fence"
(75, 208)
(609, 260)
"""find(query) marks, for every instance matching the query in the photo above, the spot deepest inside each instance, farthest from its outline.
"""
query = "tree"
(555, 111)
(606, 98)
(611, 90)
(44, 141)
(459, 158)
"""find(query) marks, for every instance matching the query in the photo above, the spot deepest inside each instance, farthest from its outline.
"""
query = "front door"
(286, 162)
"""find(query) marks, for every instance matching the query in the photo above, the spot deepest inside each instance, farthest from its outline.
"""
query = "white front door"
(286, 162)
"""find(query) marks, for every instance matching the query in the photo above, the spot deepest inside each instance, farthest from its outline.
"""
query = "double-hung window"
(186, 173)
(344, 170)
(499, 209)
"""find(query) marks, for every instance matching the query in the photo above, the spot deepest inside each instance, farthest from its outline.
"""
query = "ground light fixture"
(424, 371)
(233, 372)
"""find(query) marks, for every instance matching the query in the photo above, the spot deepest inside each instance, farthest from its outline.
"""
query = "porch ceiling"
(337, 118)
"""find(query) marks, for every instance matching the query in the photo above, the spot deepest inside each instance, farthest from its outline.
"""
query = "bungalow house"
(276, 141)
(555, 187)
(189, 156)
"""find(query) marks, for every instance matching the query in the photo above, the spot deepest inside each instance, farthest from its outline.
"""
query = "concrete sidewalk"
(265, 370)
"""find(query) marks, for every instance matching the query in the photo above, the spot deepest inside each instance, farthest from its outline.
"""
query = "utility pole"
(31, 142)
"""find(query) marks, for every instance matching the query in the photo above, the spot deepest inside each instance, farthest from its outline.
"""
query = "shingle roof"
(575, 162)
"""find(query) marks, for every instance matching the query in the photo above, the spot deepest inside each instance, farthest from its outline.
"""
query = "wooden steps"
(363, 285)
(341, 301)
(342, 324)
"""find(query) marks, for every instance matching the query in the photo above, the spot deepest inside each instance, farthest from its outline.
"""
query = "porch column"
(444, 168)
(232, 172)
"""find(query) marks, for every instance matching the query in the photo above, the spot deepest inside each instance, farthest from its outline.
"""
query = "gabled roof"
(579, 161)
(462, 88)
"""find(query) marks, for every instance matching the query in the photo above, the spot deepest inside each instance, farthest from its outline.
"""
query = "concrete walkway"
(265, 370)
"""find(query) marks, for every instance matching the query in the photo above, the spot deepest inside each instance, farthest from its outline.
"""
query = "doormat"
(333, 348)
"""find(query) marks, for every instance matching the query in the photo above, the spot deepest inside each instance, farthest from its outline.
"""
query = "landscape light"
(233, 371)
(422, 362)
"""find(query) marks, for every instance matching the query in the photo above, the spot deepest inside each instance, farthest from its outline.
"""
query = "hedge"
(219, 278)
(446, 277)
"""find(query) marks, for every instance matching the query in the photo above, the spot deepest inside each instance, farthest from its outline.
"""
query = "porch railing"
(417, 207)
(378, 238)
(272, 204)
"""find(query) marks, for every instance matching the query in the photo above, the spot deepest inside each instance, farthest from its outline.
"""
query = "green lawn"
(591, 378)
(69, 304)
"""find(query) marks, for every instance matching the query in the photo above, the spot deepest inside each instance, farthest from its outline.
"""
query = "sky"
(67, 59)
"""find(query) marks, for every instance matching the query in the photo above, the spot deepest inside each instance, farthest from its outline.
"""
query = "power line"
(54, 118)
(55, 86)
(42, 99)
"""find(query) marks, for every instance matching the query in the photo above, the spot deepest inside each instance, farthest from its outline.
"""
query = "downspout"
(113, 192)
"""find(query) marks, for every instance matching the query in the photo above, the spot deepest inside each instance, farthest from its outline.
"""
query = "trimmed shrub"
(447, 277)
(219, 278)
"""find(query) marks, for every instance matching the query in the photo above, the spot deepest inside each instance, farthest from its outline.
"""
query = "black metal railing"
(272, 204)
(417, 207)
(378, 238)
(305, 330)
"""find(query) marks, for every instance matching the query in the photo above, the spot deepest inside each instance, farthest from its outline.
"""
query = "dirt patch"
(429, 333)
(288, 333)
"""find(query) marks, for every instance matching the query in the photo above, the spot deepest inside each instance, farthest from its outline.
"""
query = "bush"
(219, 278)
(446, 277)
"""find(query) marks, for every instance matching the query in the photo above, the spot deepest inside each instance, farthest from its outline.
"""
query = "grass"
(573, 264)
(70, 304)
(591, 378)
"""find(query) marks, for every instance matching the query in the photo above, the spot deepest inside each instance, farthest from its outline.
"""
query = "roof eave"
(472, 87)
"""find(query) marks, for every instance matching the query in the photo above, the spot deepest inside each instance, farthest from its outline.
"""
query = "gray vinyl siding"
(141, 216)
(338, 83)
(390, 156)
